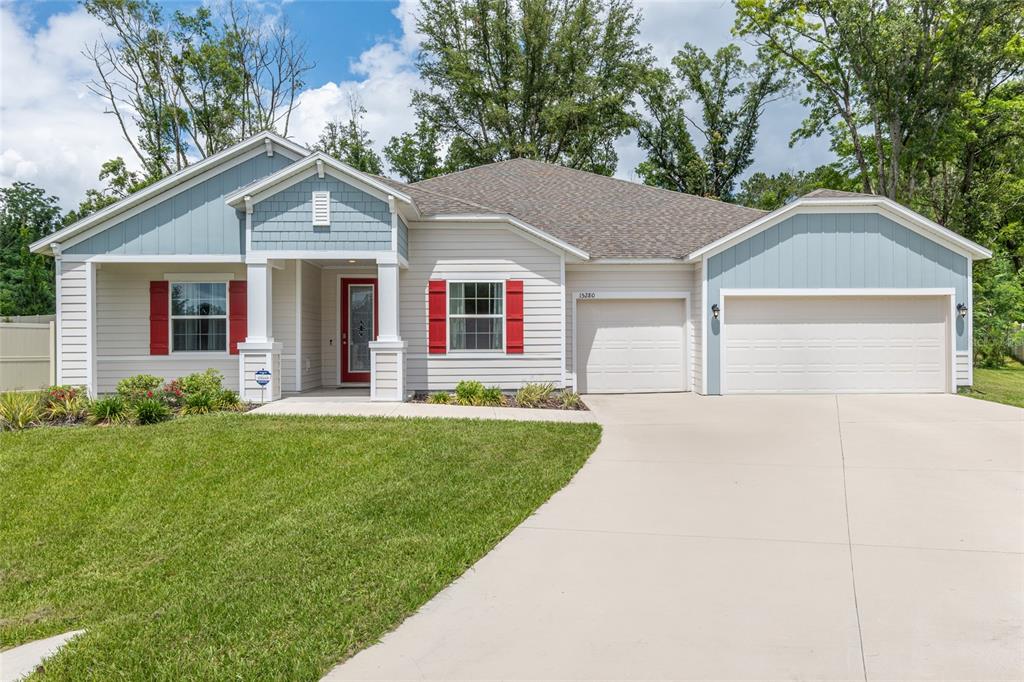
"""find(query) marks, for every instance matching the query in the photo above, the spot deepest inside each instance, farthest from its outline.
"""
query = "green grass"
(244, 547)
(1004, 385)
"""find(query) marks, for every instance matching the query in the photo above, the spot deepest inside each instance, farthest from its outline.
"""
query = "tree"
(731, 95)
(27, 214)
(120, 183)
(414, 156)
(543, 79)
(348, 141)
(193, 84)
(769, 192)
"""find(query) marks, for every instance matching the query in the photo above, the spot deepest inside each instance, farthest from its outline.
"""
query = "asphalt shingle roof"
(834, 194)
(606, 217)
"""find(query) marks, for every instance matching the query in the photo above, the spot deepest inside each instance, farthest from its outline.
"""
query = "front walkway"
(811, 537)
(332, 402)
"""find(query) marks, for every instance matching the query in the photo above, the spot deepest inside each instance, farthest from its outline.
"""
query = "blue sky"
(363, 47)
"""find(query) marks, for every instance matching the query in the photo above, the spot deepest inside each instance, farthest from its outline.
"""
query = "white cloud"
(53, 131)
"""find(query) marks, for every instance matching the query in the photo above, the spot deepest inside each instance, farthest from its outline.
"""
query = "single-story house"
(267, 256)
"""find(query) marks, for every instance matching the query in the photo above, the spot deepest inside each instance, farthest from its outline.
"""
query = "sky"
(54, 132)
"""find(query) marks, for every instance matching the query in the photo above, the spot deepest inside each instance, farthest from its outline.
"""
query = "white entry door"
(837, 344)
(631, 346)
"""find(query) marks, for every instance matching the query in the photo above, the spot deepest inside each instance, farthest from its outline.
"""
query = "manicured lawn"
(244, 547)
(1004, 385)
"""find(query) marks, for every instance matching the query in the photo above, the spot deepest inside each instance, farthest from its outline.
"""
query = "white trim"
(888, 208)
(636, 261)
(321, 208)
(58, 270)
(226, 317)
(618, 295)
(90, 328)
(179, 182)
(484, 352)
(168, 258)
(199, 276)
(394, 223)
(298, 326)
(293, 173)
(338, 326)
(257, 257)
(563, 321)
(502, 218)
(705, 320)
(970, 323)
(948, 292)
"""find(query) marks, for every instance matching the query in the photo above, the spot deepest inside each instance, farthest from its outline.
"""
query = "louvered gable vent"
(321, 209)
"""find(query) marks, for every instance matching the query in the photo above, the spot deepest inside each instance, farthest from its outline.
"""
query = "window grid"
(476, 316)
(199, 317)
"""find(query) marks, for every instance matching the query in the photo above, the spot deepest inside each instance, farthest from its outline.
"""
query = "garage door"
(836, 344)
(631, 346)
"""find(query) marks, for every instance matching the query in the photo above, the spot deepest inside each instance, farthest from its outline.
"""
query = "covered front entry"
(836, 344)
(631, 345)
(358, 316)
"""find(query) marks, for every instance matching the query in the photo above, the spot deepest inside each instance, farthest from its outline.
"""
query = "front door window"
(360, 326)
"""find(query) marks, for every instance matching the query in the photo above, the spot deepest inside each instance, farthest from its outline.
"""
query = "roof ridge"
(416, 186)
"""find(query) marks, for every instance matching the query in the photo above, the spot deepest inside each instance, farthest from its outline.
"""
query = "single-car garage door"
(836, 344)
(631, 345)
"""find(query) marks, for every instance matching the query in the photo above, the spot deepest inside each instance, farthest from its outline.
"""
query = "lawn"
(246, 547)
(1004, 385)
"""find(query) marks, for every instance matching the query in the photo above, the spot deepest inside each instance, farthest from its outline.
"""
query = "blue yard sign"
(262, 377)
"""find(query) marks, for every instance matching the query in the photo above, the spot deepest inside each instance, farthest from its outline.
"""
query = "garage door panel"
(826, 344)
(627, 346)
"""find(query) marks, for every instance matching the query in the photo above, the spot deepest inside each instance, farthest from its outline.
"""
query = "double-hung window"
(199, 316)
(476, 316)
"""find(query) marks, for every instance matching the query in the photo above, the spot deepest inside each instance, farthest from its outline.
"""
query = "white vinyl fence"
(27, 355)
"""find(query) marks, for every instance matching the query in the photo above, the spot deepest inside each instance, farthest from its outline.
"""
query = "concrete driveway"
(811, 537)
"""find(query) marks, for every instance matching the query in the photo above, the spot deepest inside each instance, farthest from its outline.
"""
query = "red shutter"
(438, 316)
(159, 300)
(238, 311)
(514, 316)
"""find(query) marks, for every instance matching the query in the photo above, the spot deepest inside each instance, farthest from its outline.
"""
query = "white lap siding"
(122, 326)
(310, 361)
(73, 318)
(597, 277)
(330, 316)
(482, 254)
(283, 293)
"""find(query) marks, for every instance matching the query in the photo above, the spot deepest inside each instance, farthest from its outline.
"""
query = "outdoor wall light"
(715, 310)
(962, 309)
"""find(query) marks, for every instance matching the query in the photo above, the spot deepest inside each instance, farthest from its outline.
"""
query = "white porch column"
(387, 353)
(259, 353)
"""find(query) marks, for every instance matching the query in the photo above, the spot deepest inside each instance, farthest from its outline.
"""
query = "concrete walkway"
(345, 406)
(21, 661)
(811, 537)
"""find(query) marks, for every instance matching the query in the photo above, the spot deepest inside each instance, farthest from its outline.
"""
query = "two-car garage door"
(804, 344)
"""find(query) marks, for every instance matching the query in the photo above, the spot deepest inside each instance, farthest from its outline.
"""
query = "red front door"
(358, 327)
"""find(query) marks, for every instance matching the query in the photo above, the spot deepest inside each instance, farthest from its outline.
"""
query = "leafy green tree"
(731, 96)
(414, 156)
(998, 311)
(192, 84)
(27, 214)
(769, 192)
(348, 141)
(543, 79)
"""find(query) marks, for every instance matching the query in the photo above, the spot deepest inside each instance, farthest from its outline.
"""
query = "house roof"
(606, 217)
(833, 194)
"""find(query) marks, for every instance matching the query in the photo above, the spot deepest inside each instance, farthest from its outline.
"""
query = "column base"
(387, 371)
(253, 357)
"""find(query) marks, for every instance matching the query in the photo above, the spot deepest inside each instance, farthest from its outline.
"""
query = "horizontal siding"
(617, 278)
(963, 369)
(283, 327)
(122, 326)
(310, 363)
(330, 314)
(485, 254)
(284, 221)
(74, 322)
(193, 221)
(403, 238)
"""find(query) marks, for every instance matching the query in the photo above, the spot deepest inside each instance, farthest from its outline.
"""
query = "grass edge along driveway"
(1004, 385)
(251, 547)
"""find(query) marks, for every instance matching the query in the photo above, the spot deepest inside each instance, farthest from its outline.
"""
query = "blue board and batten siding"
(284, 221)
(403, 238)
(195, 221)
(832, 251)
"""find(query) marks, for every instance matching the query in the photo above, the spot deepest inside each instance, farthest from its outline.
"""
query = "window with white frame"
(476, 315)
(199, 316)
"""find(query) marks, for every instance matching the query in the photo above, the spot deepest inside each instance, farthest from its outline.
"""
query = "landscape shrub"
(209, 381)
(172, 394)
(469, 392)
(440, 398)
(534, 395)
(111, 409)
(150, 411)
(227, 399)
(570, 400)
(20, 410)
(492, 397)
(65, 404)
(201, 402)
(139, 386)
